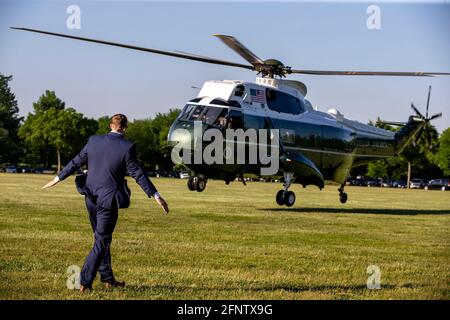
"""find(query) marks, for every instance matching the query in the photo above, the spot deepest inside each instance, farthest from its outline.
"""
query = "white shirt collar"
(117, 132)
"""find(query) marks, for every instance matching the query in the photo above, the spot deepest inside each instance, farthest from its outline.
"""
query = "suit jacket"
(109, 157)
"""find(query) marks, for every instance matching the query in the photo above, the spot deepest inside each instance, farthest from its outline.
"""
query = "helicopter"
(312, 146)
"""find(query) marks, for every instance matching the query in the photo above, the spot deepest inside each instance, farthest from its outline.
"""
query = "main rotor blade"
(370, 73)
(190, 54)
(416, 110)
(167, 53)
(437, 115)
(428, 101)
(242, 50)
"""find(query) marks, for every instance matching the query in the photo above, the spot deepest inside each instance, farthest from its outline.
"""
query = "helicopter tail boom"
(408, 133)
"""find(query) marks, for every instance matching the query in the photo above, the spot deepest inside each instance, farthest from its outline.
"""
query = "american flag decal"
(258, 95)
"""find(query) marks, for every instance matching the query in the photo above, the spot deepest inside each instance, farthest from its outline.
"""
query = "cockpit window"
(196, 113)
(214, 116)
(186, 111)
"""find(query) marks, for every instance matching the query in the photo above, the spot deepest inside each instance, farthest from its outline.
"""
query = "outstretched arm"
(137, 173)
(73, 165)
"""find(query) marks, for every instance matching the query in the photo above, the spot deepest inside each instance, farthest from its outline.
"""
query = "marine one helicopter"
(314, 146)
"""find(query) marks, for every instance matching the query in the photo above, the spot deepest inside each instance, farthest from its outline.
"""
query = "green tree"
(141, 133)
(160, 127)
(150, 137)
(420, 155)
(56, 128)
(3, 131)
(47, 101)
(392, 168)
(378, 169)
(10, 144)
(443, 155)
(103, 124)
(39, 151)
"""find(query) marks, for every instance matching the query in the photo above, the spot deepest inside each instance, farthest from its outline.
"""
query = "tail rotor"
(426, 120)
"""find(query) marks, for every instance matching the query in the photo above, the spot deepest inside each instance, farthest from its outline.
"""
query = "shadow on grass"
(262, 288)
(406, 212)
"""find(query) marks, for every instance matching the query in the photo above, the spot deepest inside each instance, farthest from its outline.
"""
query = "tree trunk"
(58, 153)
(409, 175)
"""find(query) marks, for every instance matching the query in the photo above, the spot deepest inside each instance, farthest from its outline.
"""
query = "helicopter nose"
(175, 135)
(181, 132)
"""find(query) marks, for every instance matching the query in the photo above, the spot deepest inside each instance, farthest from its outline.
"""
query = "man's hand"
(51, 183)
(163, 204)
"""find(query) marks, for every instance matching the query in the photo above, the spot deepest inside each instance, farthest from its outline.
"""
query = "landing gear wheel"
(343, 197)
(289, 198)
(191, 184)
(280, 198)
(200, 185)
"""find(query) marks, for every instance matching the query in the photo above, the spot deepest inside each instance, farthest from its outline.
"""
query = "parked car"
(11, 169)
(161, 173)
(26, 170)
(386, 183)
(416, 184)
(399, 184)
(350, 181)
(438, 184)
(38, 170)
(360, 182)
(184, 175)
(373, 183)
(173, 174)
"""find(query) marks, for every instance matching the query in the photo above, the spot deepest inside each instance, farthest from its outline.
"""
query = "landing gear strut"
(196, 184)
(342, 195)
(286, 197)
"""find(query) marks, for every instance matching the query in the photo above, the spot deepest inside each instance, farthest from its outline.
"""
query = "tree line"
(52, 134)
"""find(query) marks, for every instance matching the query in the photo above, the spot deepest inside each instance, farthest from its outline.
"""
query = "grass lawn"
(230, 242)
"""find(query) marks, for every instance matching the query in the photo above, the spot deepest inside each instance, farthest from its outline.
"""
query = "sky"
(100, 80)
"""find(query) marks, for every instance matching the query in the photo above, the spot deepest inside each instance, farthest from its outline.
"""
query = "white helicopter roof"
(224, 88)
(219, 88)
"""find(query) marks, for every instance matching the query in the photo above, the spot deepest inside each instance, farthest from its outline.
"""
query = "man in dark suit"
(109, 157)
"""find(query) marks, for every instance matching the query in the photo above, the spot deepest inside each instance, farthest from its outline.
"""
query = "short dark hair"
(120, 121)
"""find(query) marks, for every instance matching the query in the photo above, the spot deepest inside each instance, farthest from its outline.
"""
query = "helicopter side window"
(211, 114)
(239, 91)
(283, 102)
